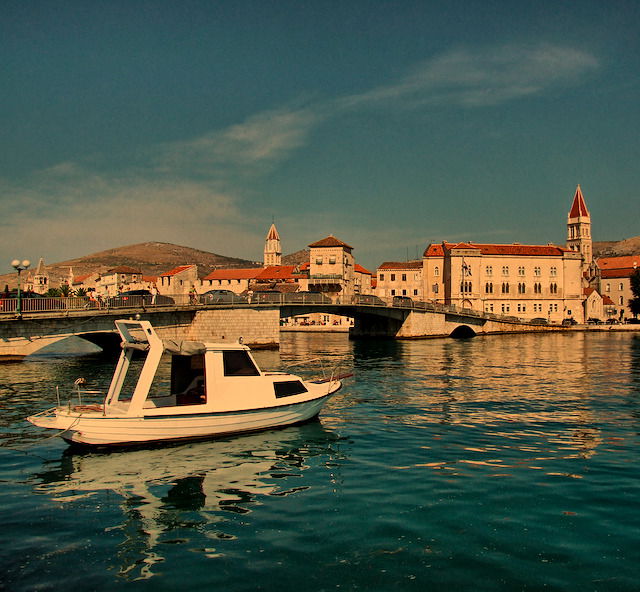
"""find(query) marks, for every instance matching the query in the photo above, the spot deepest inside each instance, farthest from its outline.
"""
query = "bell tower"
(272, 248)
(579, 229)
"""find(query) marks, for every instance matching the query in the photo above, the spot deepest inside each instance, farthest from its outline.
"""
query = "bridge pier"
(258, 327)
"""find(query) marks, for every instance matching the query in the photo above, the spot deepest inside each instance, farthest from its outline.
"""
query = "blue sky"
(387, 124)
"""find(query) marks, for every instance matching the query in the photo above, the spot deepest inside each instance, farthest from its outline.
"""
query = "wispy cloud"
(473, 78)
(254, 146)
(194, 191)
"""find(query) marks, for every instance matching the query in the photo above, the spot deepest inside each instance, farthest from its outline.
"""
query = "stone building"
(400, 279)
(614, 281)
(179, 280)
(331, 267)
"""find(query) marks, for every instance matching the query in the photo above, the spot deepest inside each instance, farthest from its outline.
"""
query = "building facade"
(400, 279)
(614, 281)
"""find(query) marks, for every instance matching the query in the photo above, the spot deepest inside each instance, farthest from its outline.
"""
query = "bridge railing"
(223, 299)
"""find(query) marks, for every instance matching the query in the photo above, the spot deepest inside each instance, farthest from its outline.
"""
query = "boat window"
(238, 363)
(287, 388)
(187, 379)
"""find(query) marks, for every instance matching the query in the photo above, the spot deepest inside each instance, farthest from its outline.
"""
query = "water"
(498, 463)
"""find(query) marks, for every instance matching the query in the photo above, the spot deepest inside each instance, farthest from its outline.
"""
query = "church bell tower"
(272, 248)
(579, 229)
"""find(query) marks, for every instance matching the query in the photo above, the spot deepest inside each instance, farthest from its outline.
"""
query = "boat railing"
(336, 372)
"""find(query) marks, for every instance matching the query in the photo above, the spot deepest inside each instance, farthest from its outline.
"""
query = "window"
(489, 270)
(393, 277)
(332, 260)
(505, 270)
(488, 288)
(621, 286)
(238, 363)
(436, 271)
(381, 277)
(404, 292)
(505, 288)
(607, 287)
(520, 270)
(404, 277)
(536, 271)
(415, 292)
(553, 272)
(287, 388)
(393, 292)
(435, 288)
(318, 260)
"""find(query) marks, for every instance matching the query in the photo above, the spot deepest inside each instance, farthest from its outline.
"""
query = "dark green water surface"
(498, 463)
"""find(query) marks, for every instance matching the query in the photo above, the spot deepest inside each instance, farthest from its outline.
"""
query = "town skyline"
(390, 127)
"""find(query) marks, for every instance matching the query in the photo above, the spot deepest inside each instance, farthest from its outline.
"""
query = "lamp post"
(20, 266)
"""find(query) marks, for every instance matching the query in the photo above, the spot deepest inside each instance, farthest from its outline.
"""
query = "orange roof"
(609, 274)
(277, 272)
(486, 249)
(618, 262)
(81, 278)
(330, 241)
(176, 270)
(578, 207)
(358, 268)
(401, 265)
(607, 300)
(234, 274)
(273, 233)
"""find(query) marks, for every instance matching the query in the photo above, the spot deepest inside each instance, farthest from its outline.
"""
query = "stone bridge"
(258, 323)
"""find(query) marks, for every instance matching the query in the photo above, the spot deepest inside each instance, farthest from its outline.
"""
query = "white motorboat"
(186, 390)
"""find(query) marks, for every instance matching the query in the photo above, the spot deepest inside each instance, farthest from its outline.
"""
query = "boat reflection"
(190, 486)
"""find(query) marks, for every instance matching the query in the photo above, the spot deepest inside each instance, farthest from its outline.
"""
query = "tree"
(634, 303)
(53, 293)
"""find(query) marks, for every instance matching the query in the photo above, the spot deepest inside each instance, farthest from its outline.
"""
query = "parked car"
(311, 297)
(594, 321)
(402, 301)
(539, 321)
(368, 299)
(631, 321)
(569, 321)
(135, 298)
(221, 297)
(613, 322)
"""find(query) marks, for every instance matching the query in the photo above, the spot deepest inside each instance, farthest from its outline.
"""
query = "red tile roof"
(273, 233)
(618, 262)
(578, 207)
(277, 272)
(487, 249)
(330, 241)
(176, 270)
(401, 265)
(358, 268)
(234, 274)
(610, 274)
(607, 300)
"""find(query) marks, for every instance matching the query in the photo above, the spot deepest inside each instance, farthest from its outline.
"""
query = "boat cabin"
(153, 374)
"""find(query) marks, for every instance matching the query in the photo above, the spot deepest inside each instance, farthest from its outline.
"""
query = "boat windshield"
(187, 379)
(238, 363)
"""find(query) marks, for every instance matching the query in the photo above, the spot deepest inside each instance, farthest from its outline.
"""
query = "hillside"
(153, 258)
(628, 246)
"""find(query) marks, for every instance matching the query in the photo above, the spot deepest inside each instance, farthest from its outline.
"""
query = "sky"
(389, 124)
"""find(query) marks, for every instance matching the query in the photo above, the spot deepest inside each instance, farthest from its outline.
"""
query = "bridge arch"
(462, 332)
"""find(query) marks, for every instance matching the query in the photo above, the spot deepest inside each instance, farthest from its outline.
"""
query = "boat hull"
(94, 429)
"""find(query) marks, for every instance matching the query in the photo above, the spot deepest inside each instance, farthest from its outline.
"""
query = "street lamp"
(20, 266)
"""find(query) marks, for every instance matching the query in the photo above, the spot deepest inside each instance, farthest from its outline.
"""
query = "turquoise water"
(497, 463)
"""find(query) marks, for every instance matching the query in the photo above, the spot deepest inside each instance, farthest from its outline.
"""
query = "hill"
(628, 246)
(152, 258)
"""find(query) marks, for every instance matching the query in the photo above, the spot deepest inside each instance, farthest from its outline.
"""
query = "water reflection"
(189, 487)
